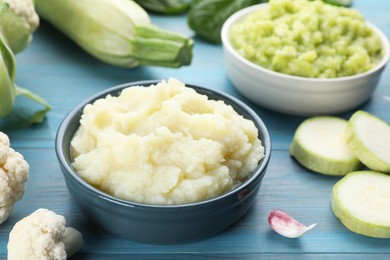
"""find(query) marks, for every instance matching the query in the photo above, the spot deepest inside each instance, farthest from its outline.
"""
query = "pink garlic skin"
(285, 225)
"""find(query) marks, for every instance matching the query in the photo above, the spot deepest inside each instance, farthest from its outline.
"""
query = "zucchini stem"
(154, 46)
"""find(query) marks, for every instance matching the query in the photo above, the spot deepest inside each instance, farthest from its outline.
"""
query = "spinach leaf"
(206, 17)
(165, 6)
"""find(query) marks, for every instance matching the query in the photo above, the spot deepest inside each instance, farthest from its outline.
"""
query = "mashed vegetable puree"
(308, 39)
(164, 144)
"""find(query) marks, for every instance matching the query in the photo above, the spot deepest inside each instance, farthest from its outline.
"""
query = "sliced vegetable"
(361, 201)
(206, 17)
(285, 225)
(319, 144)
(165, 6)
(369, 138)
(118, 32)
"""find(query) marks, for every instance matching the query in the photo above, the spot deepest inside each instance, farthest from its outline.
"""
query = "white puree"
(164, 144)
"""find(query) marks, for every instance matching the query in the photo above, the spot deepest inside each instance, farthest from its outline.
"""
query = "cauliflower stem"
(72, 240)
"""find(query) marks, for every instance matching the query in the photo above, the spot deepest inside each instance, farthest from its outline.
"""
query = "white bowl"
(298, 95)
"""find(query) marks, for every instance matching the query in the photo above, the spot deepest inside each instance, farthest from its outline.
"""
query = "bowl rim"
(237, 16)
(258, 172)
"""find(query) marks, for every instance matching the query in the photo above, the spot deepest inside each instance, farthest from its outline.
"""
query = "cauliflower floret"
(26, 10)
(13, 177)
(43, 236)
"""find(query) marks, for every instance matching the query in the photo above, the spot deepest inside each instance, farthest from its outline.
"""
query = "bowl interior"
(240, 15)
(71, 123)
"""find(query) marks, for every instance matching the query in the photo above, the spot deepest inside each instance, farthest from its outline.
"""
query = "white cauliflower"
(25, 9)
(43, 236)
(13, 177)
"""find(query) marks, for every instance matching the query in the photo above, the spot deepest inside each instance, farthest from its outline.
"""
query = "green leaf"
(345, 3)
(165, 6)
(8, 89)
(14, 36)
(14, 29)
(7, 74)
(206, 17)
(38, 116)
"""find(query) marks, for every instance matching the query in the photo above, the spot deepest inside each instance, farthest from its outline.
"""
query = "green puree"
(308, 39)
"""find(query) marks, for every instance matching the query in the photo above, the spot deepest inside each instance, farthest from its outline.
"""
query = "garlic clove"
(285, 225)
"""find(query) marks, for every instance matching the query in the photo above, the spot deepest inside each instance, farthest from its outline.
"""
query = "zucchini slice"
(319, 144)
(361, 201)
(369, 138)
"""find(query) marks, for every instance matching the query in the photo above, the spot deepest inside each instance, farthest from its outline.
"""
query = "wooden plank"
(62, 73)
(286, 185)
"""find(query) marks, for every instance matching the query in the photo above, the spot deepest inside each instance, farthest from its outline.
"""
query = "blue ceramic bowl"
(160, 224)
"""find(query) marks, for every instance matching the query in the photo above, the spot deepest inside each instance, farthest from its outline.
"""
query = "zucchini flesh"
(319, 145)
(361, 201)
(369, 138)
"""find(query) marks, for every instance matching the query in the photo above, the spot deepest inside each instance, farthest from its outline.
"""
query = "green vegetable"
(332, 145)
(18, 20)
(165, 6)
(118, 32)
(320, 146)
(369, 138)
(313, 50)
(9, 90)
(361, 201)
(346, 3)
(15, 35)
(206, 17)
(15, 32)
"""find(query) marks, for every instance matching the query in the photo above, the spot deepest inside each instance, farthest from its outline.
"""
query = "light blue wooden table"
(64, 75)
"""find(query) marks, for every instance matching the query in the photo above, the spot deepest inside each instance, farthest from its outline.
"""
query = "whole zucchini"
(118, 32)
